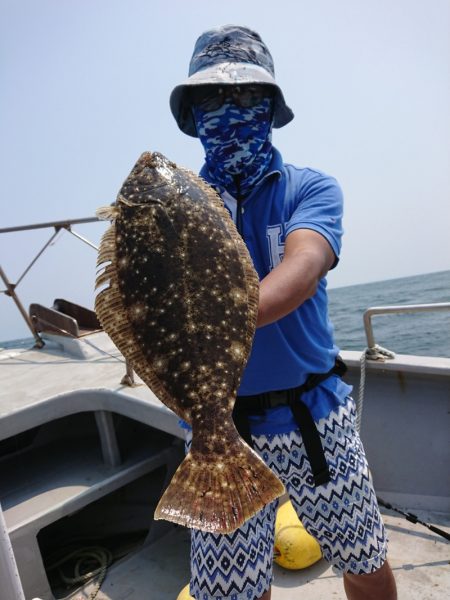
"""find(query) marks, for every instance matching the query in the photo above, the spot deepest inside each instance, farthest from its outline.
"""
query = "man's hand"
(307, 258)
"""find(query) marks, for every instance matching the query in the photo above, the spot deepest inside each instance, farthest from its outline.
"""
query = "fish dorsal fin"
(106, 213)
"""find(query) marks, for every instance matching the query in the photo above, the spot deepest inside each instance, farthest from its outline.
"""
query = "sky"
(84, 89)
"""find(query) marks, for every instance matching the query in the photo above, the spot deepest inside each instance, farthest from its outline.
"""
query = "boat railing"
(376, 352)
(373, 351)
(11, 287)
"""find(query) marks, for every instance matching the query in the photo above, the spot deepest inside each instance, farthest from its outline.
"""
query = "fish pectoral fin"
(217, 493)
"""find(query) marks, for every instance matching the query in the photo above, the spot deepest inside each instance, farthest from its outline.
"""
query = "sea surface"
(427, 334)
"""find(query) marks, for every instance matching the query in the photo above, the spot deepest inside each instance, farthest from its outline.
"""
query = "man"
(292, 406)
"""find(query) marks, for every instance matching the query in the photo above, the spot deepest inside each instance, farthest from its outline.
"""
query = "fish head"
(152, 180)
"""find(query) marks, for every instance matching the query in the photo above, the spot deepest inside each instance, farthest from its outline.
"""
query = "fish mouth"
(157, 163)
(147, 159)
(154, 160)
(148, 181)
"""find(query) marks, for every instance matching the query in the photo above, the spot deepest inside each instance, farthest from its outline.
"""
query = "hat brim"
(228, 73)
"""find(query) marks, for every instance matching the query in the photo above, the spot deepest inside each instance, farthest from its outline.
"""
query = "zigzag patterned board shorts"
(342, 515)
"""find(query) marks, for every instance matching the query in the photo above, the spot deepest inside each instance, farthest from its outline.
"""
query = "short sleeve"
(318, 205)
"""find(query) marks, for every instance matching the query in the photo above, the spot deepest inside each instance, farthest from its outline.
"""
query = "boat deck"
(420, 561)
(38, 386)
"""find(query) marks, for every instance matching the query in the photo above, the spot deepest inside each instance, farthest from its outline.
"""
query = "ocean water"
(426, 334)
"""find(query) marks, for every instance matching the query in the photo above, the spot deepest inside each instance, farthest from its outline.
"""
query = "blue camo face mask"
(237, 143)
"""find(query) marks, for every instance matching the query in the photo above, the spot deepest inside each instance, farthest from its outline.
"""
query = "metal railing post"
(397, 309)
(10, 291)
(11, 586)
(128, 378)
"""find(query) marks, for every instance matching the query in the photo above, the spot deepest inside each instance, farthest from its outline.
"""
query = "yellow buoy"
(295, 548)
(184, 594)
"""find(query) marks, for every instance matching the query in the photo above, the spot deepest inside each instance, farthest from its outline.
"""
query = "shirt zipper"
(239, 209)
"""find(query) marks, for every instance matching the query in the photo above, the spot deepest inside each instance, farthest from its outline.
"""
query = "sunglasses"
(209, 98)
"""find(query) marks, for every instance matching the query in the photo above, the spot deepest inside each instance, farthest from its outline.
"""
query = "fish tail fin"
(218, 493)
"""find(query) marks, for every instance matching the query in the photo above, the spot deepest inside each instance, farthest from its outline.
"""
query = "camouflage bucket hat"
(228, 55)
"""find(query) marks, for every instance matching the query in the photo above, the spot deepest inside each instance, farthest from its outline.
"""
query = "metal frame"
(11, 287)
(397, 309)
(67, 225)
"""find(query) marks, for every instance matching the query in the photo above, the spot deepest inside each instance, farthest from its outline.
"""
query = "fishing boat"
(86, 450)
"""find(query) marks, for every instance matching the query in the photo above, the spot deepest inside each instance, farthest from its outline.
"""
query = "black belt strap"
(247, 405)
(311, 439)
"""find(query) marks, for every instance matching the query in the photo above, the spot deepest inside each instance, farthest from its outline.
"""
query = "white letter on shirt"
(276, 248)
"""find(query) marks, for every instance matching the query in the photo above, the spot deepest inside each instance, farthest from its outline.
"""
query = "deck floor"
(420, 560)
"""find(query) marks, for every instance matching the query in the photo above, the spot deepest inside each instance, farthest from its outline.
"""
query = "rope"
(86, 558)
(362, 383)
(376, 352)
(101, 350)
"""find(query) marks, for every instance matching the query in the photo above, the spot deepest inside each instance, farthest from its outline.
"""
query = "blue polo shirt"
(286, 352)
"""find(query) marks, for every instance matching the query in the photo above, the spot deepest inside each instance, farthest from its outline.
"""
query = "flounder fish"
(179, 299)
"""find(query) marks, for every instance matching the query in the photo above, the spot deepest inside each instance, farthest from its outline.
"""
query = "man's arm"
(307, 258)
